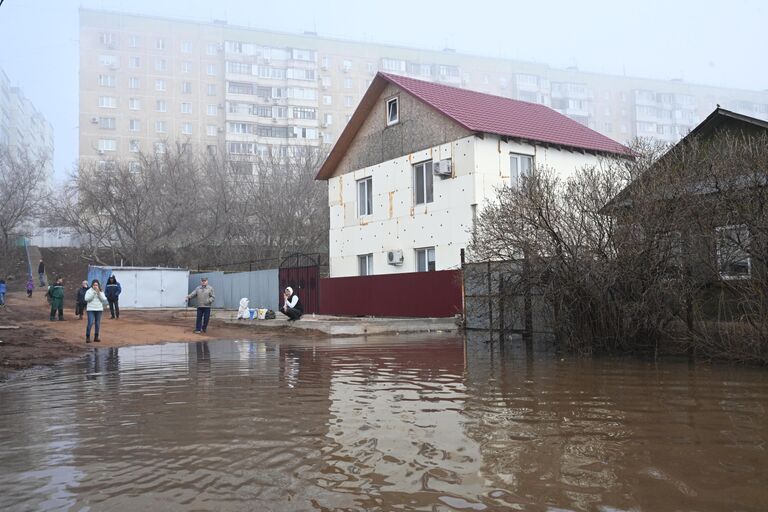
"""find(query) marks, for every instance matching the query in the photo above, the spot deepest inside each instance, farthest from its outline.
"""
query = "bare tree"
(23, 190)
(678, 257)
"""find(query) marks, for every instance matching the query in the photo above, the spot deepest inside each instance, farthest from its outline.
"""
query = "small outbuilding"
(146, 287)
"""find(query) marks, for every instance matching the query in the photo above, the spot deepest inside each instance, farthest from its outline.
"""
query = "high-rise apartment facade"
(146, 82)
(22, 126)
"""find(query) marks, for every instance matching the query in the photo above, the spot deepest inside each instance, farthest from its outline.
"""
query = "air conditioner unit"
(395, 257)
(95, 120)
(442, 168)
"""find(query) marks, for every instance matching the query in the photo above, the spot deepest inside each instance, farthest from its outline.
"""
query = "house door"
(302, 273)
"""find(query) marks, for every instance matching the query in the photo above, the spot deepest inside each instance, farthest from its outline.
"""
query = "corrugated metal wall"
(416, 294)
(260, 287)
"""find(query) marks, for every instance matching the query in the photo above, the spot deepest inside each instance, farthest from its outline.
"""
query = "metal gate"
(302, 273)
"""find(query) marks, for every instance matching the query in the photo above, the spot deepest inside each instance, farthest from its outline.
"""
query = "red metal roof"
(483, 112)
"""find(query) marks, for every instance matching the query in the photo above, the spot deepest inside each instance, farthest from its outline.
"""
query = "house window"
(134, 83)
(161, 126)
(107, 145)
(733, 260)
(159, 147)
(365, 196)
(107, 123)
(365, 264)
(133, 41)
(160, 85)
(186, 47)
(186, 67)
(186, 87)
(134, 125)
(393, 111)
(134, 103)
(425, 259)
(212, 110)
(212, 130)
(186, 108)
(107, 102)
(327, 100)
(347, 83)
(161, 64)
(160, 44)
(133, 146)
(134, 62)
(520, 168)
(134, 166)
(423, 183)
(211, 89)
(212, 48)
(211, 69)
(186, 128)
(348, 101)
(161, 106)
(107, 80)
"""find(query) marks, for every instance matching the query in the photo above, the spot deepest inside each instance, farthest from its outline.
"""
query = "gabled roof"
(480, 113)
(719, 118)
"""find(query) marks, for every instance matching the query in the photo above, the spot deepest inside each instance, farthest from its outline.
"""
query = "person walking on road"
(80, 301)
(205, 299)
(95, 300)
(41, 273)
(112, 291)
(30, 286)
(56, 298)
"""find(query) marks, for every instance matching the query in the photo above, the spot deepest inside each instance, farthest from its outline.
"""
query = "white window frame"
(365, 197)
(426, 253)
(392, 120)
(159, 43)
(134, 125)
(427, 181)
(160, 84)
(161, 106)
(211, 69)
(186, 128)
(134, 104)
(107, 102)
(727, 274)
(134, 62)
(107, 145)
(161, 126)
(186, 108)
(365, 264)
(134, 146)
(516, 173)
(212, 110)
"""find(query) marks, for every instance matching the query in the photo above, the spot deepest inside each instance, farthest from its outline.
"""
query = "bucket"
(261, 313)
(251, 313)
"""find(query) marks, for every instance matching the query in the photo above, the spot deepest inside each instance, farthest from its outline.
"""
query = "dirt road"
(39, 341)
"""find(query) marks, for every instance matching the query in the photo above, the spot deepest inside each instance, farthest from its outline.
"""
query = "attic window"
(393, 111)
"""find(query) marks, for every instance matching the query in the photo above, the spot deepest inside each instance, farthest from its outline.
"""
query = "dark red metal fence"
(414, 294)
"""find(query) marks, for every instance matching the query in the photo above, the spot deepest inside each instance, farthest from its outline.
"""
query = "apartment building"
(146, 82)
(21, 125)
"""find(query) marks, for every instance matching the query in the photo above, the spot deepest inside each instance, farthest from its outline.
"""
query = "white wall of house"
(480, 166)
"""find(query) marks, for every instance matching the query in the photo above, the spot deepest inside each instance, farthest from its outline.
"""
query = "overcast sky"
(706, 41)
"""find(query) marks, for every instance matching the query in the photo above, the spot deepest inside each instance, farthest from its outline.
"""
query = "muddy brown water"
(388, 423)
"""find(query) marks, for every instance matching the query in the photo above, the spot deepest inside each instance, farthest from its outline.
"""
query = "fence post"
(527, 306)
(490, 302)
(501, 308)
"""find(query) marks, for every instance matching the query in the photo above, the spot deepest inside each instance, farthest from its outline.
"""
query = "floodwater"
(398, 423)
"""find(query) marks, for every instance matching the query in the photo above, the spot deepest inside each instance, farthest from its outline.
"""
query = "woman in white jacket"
(95, 300)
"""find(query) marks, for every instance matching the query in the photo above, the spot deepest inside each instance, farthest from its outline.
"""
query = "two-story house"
(417, 160)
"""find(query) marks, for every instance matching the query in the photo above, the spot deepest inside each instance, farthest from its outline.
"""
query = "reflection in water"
(411, 423)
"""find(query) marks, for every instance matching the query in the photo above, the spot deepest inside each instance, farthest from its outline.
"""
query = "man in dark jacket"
(80, 303)
(112, 291)
(41, 272)
(56, 298)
